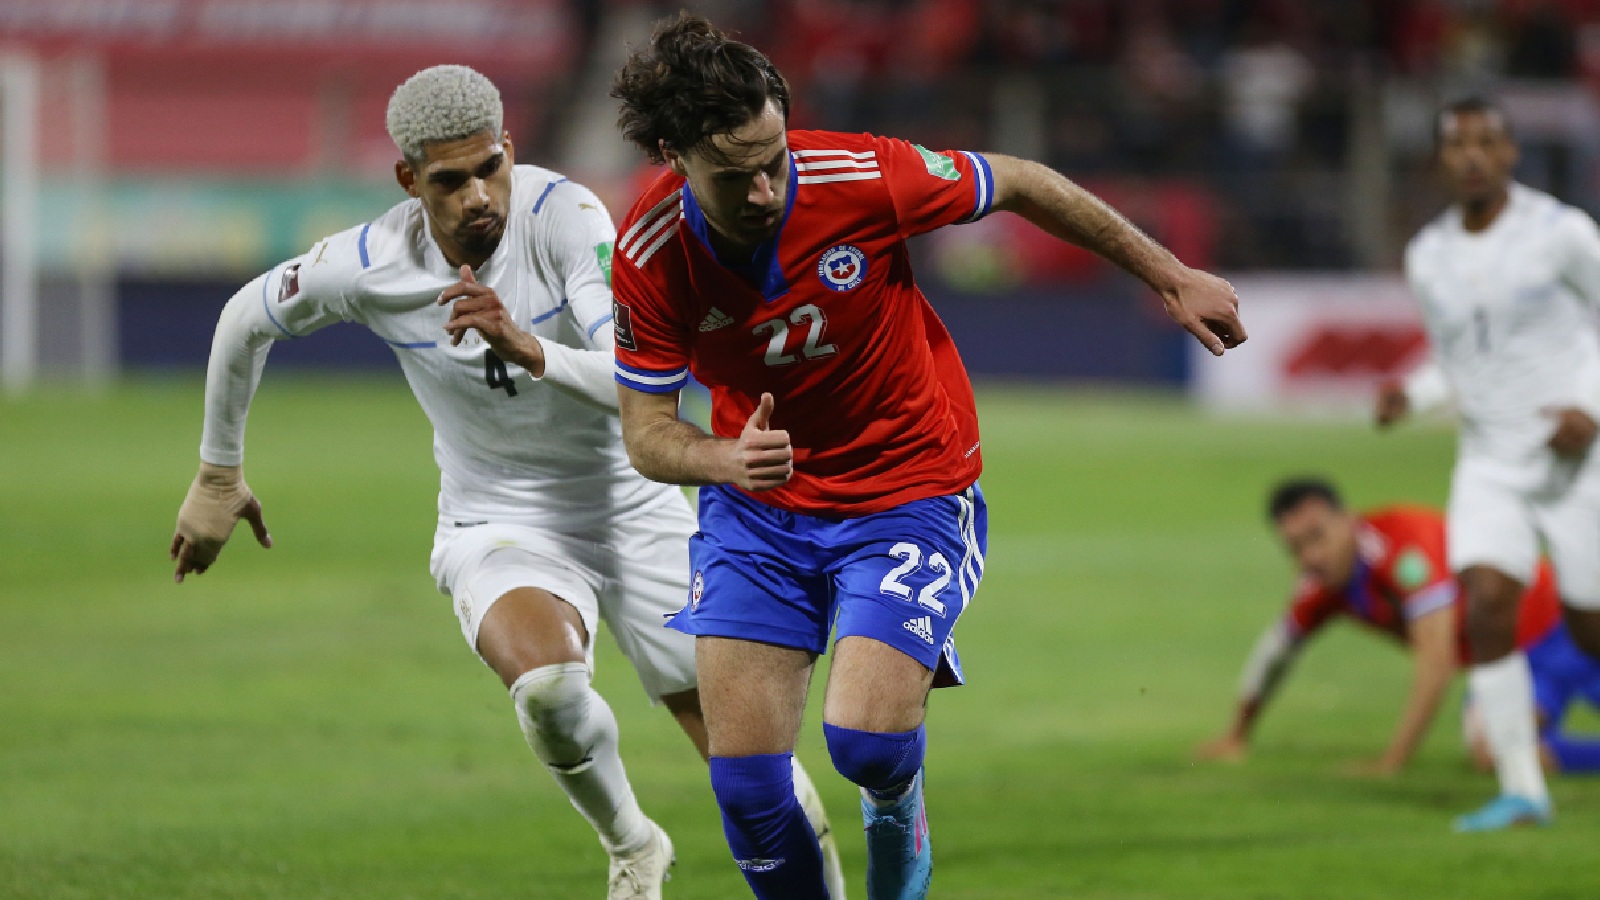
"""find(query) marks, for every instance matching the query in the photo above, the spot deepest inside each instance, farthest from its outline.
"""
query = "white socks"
(573, 732)
(1503, 693)
(810, 800)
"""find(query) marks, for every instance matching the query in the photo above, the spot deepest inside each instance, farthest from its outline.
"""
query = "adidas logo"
(760, 865)
(922, 628)
(715, 319)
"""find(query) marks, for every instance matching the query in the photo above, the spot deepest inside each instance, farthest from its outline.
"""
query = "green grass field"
(306, 722)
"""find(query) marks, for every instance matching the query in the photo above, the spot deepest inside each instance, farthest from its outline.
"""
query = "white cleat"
(832, 871)
(811, 802)
(640, 874)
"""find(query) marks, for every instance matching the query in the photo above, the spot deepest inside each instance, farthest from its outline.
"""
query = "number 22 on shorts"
(910, 556)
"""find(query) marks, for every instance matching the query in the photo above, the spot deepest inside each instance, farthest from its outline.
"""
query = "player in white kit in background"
(1508, 279)
(492, 285)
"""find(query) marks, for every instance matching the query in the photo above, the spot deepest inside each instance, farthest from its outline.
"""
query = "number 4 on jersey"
(495, 374)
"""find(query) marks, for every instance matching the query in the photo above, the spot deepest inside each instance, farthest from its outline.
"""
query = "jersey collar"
(1357, 592)
(764, 271)
(1371, 547)
(1516, 197)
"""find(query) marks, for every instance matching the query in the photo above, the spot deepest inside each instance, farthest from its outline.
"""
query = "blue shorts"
(1561, 674)
(902, 576)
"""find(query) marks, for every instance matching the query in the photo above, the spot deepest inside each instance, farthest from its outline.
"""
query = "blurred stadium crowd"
(1246, 115)
(1247, 135)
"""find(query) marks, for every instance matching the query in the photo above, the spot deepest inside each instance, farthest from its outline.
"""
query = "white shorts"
(633, 576)
(1494, 521)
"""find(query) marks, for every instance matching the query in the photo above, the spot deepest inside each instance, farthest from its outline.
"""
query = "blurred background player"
(840, 478)
(1507, 279)
(1388, 569)
(492, 284)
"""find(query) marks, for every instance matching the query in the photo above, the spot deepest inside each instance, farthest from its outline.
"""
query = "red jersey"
(1403, 573)
(825, 316)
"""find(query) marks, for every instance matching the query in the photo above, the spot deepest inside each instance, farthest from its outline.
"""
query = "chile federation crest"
(842, 267)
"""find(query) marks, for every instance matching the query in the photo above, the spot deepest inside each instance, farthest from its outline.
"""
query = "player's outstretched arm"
(218, 497)
(292, 299)
(1263, 672)
(1433, 652)
(665, 448)
(1202, 303)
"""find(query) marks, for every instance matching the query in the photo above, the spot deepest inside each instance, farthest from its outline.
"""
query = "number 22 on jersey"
(777, 332)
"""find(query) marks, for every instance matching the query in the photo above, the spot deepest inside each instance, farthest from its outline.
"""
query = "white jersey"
(1510, 314)
(541, 452)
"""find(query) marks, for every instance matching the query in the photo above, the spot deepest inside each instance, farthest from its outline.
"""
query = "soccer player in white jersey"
(492, 284)
(1508, 278)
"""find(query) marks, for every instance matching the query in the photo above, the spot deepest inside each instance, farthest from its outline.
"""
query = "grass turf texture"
(306, 722)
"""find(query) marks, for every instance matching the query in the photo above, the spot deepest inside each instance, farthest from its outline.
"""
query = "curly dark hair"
(691, 83)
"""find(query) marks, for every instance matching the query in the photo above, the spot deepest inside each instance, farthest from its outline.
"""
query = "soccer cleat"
(899, 854)
(640, 874)
(1505, 811)
(832, 871)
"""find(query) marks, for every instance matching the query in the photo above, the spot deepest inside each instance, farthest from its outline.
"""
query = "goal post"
(19, 213)
(75, 282)
(94, 268)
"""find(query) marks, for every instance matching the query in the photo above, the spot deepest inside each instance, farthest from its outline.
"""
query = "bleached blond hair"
(442, 103)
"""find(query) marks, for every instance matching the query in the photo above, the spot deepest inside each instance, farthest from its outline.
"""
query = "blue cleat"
(1505, 811)
(899, 855)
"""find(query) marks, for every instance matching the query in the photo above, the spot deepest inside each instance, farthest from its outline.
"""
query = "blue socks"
(883, 763)
(1576, 755)
(886, 766)
(767, 831)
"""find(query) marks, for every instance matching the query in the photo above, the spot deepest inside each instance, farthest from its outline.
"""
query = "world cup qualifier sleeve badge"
(842, 268)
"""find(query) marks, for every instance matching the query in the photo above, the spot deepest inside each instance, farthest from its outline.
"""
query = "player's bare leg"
(873, 715)
(536, 643)
(685, 707)
(528, 628)
(1502, 689)
(754, 696)
(874, 687)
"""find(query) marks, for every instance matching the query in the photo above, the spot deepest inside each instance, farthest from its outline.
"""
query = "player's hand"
(762, 457)
(217, 500)
(1208, 308)
(1392, 404)
(1228, 748)
(1381, 767)
(478, 306)
(1575, 431)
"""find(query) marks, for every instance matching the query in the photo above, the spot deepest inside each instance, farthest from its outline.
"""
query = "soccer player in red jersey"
(1388, 570)
(839, 480)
